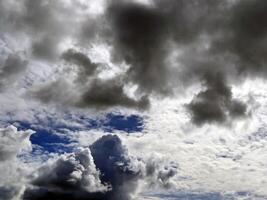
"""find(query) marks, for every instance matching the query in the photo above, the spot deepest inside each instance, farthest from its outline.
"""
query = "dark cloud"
(210, 36)
(106, 171)
(110, 93)
(215, 103)
(248, 40)
(140, 33)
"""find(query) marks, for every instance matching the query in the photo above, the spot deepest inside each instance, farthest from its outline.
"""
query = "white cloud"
(13, 172)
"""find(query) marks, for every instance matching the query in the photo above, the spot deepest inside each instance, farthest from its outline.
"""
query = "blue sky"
(51, 137)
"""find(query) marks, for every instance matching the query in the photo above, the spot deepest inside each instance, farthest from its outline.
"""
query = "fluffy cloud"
(13, 172)
(104, 171)
(13, 142)
(72, 176)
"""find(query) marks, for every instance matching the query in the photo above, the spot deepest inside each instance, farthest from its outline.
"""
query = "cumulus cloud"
(105, 170)
(72, 176)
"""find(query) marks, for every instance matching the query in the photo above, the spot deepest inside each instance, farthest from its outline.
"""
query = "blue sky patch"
(46, 139)
(50, 133)
(129, 124)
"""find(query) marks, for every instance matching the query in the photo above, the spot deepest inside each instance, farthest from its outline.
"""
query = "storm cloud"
(165, 44)
(215, 104)
(140, 34)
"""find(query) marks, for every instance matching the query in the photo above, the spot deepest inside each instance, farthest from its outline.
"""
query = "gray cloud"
(104, 94)
(245, 36)
(12, 67)
(85, 66)
(215, 104)
(98, 94)
(140, 34)
(210, 36)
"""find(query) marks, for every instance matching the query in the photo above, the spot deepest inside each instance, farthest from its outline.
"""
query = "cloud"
(139, 37)
(165, 44)
(110, 93)
(13, 142)
(246, 37)
(13, 173)
(12, 67)
(104, 171)
(71, 176)
(85, 66)
(46, 23)
(98, 94)
(145, 35)
(10, 192)
(215, 104)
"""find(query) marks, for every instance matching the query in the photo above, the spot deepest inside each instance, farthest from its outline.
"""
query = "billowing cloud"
(72, 176)
(140, 36)
(215, 104)
(104, 171)
(165, 44)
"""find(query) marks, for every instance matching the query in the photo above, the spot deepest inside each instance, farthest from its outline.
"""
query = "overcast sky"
(133, 99)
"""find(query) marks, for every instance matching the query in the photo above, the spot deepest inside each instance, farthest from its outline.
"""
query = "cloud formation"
(12, 144)
(105, 170)
(215, 104)
(165, 44)
(140, 33)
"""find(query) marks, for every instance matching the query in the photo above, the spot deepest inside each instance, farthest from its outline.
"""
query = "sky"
(133, 100)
